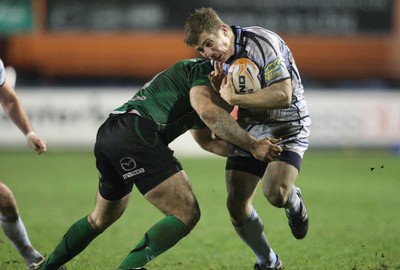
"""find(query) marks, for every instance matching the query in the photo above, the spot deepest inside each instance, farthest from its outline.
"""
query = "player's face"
(218, 47)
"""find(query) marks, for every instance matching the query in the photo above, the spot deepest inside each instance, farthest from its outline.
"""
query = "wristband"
(30, 134)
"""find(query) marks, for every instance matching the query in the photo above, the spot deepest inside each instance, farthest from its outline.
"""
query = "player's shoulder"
(196, 65)
(2, 73)
(2, 69)
(259, 32)
(254, 28)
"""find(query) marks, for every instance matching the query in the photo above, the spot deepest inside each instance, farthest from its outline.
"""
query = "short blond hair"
(203, 20)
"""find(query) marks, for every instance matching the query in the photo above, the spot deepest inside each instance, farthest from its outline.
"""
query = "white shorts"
(294, 135)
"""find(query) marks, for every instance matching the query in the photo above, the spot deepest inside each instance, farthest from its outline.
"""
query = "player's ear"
(225, 29)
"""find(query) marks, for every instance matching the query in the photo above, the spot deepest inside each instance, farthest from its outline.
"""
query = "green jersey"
(165, 99)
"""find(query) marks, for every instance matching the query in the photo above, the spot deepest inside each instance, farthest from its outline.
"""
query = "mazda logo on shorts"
(128, 164)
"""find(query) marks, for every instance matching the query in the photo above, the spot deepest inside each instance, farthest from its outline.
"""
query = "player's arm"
(13, 108)
(275, 96)
(206, 103)
(209, 142)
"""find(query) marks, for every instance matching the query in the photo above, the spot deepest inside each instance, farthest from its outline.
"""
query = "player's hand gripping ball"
(245, 76)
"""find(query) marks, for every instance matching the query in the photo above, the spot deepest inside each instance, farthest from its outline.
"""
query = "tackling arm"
(205, 102)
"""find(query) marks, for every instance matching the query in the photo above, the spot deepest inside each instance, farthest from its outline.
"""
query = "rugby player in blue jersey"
(278, 110)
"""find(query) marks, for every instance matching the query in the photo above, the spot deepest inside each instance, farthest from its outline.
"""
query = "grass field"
(354, 213)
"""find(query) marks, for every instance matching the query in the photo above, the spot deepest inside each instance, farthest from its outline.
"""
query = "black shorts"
(256, 167)
(129, 151)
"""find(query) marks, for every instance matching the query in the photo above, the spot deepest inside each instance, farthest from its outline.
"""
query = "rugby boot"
(298, 223)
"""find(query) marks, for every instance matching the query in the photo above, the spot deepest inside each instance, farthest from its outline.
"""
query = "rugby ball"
(245, 76)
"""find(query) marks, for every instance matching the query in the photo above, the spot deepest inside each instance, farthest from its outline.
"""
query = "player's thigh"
(175, 196)
(240, 186)
(242, 175)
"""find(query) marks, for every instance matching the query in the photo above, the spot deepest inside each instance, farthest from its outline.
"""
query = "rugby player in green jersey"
(132, 149)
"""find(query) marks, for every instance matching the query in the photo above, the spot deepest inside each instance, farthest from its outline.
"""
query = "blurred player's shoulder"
(2, 73)
(7, 73)
(11, 75)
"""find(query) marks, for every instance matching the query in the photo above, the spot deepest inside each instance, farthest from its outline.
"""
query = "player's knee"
(276, 196)
(8, 205)
(100, 224)
(238, 209)
(233, 205)
(192, 216)
(194, 220)
(5, 192)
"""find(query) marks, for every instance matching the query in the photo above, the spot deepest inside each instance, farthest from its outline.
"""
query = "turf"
(352, 198)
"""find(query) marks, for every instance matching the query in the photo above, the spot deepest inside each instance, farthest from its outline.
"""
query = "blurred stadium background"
(77, 60)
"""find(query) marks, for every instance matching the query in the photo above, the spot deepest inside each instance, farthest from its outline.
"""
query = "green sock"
(77, 238)
(161, 237)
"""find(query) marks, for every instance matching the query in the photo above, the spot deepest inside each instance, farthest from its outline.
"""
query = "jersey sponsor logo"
(273, 70)
(128, 164)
